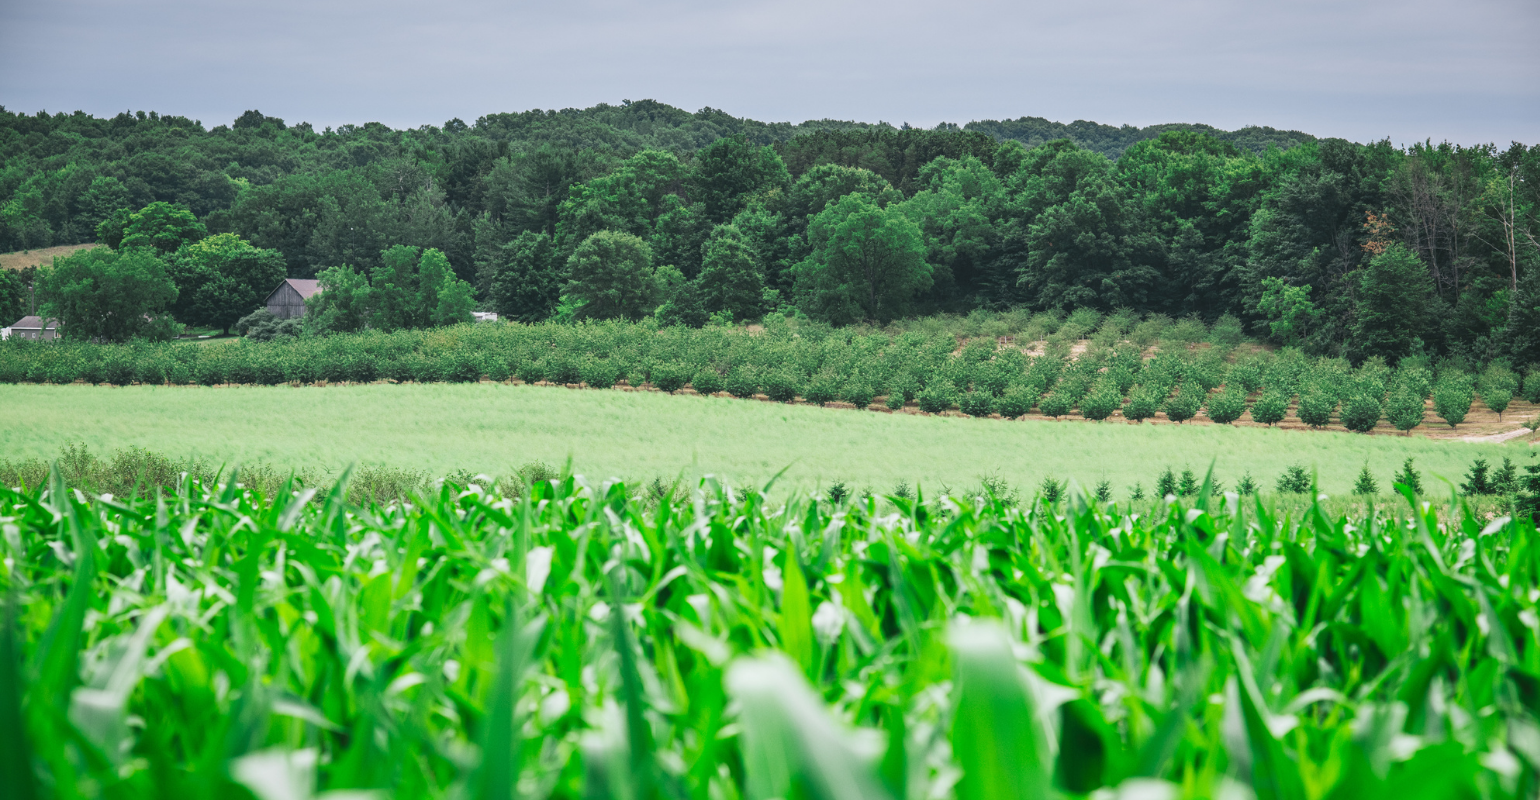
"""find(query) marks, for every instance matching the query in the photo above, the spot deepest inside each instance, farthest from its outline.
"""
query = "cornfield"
(590, 640)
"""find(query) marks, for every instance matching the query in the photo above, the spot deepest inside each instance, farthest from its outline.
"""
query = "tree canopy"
(1276, 228)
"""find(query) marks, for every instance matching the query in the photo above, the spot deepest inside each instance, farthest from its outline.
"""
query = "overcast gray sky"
(1464, 71)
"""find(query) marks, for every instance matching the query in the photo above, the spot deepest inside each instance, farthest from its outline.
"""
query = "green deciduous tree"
(730, 170)
(113, 295)
(731, 278)
(13, 297)
(1227, 405)
(1271, 407)
(345, 304)
(1185, 404)
(222, 278)
(867, 262)
(1452, 397)
(611, 274)
(162, 227)
(1392, 310)
(1405, 409)
(1288, 310)
(1361, 413)
(526, 283)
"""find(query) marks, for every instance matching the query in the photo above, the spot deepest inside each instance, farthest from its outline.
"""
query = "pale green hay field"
(494, 428)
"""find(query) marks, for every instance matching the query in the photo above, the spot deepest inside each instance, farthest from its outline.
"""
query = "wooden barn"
(33, 327)
(288, 300)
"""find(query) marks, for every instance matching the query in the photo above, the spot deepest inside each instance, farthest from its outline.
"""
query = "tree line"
(636, 210)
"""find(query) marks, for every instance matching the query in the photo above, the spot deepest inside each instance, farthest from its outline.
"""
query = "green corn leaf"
(796, 623)
(995, 734)
(789, 739)
(15, 753)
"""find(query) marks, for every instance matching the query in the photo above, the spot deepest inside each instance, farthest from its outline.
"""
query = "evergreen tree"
(1165, 485)
(1366, 485)
(1409, 477)
(1188, 486)
(1529, 493)
(1294, 480)
(1247, 486)
(1506, 479)
(1477, 481)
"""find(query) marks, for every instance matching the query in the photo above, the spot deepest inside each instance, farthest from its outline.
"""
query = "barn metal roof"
(305, 286)
(34, 323)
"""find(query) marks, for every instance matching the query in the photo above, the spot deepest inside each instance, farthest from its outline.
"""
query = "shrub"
(977, 404)
(824, 388)
(1184, 406)
(1294, 480)
(670, 377)
(1532, 386)
(741, 382)
(1101, 402)
(1055, 405)
(1405, 409)
(707, 382)
(894, 401)
(1315, 407)
(782, 385)
(857, 392)
(1227, 405)
(1452, 398)
(1016, 402)
(1361, 413)
(936, 397)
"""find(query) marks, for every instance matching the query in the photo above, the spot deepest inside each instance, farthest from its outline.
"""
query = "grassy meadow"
(495, 428)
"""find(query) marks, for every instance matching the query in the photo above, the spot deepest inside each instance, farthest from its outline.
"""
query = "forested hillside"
(644, 209)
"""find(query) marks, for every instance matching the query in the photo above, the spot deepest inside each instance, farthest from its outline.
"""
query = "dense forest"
(643, 209)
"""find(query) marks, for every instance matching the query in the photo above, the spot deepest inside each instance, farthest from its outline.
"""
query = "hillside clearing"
(36, 258)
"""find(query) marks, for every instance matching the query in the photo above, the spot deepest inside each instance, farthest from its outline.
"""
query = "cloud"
(1363, 70)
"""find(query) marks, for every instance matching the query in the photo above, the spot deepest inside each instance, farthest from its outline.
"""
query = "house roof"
(305, 286)
(34, 323)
